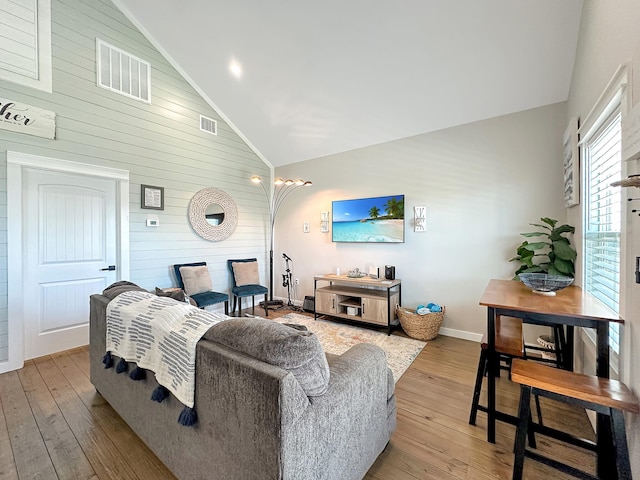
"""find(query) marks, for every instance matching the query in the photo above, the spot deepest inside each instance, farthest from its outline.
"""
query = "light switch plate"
(307, 227)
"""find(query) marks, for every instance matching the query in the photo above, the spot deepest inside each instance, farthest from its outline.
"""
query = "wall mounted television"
(368, 220)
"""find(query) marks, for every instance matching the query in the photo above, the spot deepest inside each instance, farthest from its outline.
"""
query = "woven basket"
(420, 327)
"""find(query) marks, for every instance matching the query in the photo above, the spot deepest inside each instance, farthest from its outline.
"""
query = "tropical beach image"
(377, 219)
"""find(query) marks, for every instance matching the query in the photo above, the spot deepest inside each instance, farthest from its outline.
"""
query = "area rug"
(338, 337)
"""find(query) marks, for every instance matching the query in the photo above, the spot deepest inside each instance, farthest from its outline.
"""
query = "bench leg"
(620, 439)
(482, 366)
(524, 417)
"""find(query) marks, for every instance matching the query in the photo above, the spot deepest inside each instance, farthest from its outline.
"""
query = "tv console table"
(365, 299)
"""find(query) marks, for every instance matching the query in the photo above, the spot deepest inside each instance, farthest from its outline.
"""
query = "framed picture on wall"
(571, 164)
(151, 197)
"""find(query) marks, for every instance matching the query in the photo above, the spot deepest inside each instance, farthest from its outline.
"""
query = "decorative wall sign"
(420, 218)
(22, 118)
(571, 164)
(151, 197)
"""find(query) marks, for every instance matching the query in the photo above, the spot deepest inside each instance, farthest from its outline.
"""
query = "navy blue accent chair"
(203, 299)
(246, 290)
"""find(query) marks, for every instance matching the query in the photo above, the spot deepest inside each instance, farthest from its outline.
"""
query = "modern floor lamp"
(281, 190)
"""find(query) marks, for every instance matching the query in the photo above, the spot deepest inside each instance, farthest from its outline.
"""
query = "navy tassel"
(137, 374)
(122, 366)
(159, 394)
(107, 360)
(188, 417)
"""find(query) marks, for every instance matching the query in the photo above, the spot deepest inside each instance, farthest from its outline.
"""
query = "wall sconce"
(324, 222)
(420, 218)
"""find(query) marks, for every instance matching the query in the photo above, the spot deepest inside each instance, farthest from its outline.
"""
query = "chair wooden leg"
(239, 306)
(226, 307)
(235, 303)
(524, 417)
(482, 366)
(266, 309)
(253, 304)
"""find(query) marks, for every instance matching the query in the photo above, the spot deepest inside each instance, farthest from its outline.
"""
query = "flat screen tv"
(372, 220)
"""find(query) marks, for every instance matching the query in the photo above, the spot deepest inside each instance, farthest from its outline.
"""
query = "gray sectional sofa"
(262, 414)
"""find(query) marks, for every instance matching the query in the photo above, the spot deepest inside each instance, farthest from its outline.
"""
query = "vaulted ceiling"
(319, 78)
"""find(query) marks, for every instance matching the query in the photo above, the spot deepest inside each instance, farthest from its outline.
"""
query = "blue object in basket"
(434, 307)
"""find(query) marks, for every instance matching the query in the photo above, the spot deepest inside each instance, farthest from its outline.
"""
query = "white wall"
(482, 184)
(609, 36)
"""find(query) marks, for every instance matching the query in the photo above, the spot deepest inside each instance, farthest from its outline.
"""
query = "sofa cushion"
(196, 279)
(246, 273)
(298, 351)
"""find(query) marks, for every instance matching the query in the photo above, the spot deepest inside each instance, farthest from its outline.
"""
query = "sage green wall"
(160, 144)
(609, 36)
(481, 183)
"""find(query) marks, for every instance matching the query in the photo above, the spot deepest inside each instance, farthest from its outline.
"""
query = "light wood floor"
(53, 425)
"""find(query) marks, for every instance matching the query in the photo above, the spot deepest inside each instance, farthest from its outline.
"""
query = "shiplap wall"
(159, 144)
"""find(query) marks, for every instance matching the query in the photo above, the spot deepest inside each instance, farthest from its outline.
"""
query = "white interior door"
(69, 242)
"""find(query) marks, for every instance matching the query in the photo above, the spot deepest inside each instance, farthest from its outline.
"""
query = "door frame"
(16, 162)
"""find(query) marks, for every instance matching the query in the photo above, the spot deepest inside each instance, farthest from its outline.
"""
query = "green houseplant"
(553, 254)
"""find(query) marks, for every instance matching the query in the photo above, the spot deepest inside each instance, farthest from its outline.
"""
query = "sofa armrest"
(348, 424)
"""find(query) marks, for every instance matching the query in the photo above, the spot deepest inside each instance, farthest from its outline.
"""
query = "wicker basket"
(420, 327)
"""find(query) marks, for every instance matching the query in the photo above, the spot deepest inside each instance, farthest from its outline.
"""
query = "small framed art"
(151, 197)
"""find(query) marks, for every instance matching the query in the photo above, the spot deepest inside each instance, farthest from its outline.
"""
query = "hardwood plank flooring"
(53, 425)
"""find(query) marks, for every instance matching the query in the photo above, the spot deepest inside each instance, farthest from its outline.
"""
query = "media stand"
(367, 300)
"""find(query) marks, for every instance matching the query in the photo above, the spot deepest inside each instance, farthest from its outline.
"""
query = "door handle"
(110, 268)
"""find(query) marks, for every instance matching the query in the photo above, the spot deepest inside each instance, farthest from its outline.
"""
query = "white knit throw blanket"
(159, 334)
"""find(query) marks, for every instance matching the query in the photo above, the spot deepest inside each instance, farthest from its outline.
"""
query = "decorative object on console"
(389, 272)
(545, 284)
(213, 214)
(281, 190)
(363, 220)
(420, 218)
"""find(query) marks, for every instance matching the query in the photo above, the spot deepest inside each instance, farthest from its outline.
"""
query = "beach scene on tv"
(377, 219)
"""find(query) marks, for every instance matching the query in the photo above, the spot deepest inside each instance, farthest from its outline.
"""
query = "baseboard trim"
(464, 335)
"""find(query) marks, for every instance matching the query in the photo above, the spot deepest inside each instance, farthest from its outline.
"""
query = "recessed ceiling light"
(235, 68)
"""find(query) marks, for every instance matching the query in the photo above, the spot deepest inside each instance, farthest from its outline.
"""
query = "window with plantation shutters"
(25, 42)
(603, 218)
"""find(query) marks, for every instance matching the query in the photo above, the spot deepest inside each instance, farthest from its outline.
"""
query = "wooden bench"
(605, 396)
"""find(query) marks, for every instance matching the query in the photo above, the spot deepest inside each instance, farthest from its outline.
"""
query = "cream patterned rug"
(337, 338)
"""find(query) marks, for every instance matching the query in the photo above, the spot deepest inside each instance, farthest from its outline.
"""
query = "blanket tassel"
(107, 360)
(122, 366)
(159, 394)
(137, 374)
(188, 417)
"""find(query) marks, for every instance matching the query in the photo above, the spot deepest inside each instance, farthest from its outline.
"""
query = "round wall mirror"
(213, 214)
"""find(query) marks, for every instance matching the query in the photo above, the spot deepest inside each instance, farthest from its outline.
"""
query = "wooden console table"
(365, 299)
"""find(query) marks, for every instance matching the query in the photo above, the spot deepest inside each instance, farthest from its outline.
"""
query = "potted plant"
(553, 254)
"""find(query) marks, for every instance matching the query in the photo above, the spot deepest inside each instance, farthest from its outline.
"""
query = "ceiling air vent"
(208, 125)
